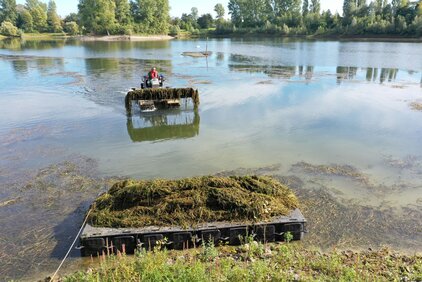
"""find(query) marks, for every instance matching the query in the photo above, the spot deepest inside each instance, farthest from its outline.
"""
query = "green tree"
(24, 20)
(8, 11)
(123, 16)
(205, 21)
(8, 29)
(349, 9)
(396, 4)
(97, 16)
(71, 28)
(194, 13)
(153, 16)
(235, 12)
(305, 8)
(378, 5)
(72, 17)
(219, 10)
(315, 6)
(282, 7)
(53, 18)
(251, 13)
(188, 23)
(38, 11)
(361, 3)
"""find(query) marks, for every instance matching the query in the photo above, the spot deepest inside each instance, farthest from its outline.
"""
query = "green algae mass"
(192, 201)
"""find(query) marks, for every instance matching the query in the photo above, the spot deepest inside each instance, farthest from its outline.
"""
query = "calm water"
(264, 103)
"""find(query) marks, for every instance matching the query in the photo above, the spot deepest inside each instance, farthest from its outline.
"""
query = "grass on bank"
(36, 35)
(255, 262)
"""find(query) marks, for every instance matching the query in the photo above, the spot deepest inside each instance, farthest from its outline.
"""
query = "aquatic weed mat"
(40, 213)
(333, 222)
(191, 201)
(344, 223)
(416, 106)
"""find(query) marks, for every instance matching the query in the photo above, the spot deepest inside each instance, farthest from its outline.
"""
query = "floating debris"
(78, 79)
(205, 82)
(265, 170)
(265, 82)
(335, 170)
(197, 54)
(408, 162)
(42, 210)
(190, 201)
(416, 106)
(344, 224)
(9, 202)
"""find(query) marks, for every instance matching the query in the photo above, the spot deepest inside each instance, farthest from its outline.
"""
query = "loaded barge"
(185, 213)
(95, 241)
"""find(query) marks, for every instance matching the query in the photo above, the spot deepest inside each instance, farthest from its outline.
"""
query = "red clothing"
(153, 74)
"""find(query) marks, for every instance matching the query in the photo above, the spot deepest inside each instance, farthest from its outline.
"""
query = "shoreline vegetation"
(299, 18)
(125, 38)
(250, 35)
(254, 261)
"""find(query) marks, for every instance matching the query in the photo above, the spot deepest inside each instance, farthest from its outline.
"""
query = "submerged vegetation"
(334, 170)
(192, 201)
(256, 262)
(416, 106)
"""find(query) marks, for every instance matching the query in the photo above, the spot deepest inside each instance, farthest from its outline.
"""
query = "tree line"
(305, 17)
(98, 17)
(296, 17)
(280, 17)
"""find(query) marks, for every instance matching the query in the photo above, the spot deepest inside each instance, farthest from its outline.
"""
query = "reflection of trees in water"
(345, 73)
(372, 74)
(126, 67)
(250, 64)
(44, 65)
(389, 74)
(220, 58)
(157, 126)
(118, 46)
(385, 73)
(286, 72)
(22, 44)
(20, 66)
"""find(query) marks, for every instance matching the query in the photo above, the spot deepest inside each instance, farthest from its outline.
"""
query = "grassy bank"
(43, 35)
(256, 262)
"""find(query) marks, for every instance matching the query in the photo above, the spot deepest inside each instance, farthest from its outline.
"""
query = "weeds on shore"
(272, 262)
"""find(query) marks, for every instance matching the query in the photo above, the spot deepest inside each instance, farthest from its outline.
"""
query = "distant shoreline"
(109, 38)
(140, 38)
(381, 38)
(104, 38)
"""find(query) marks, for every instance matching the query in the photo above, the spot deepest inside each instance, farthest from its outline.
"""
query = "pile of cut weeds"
(191, 201)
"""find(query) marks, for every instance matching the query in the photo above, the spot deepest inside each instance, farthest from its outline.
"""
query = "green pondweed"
(288, 236)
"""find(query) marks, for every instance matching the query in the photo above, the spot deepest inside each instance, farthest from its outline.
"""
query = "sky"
(65, 7)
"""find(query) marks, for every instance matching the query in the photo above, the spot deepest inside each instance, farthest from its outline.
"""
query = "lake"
(333, 119)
